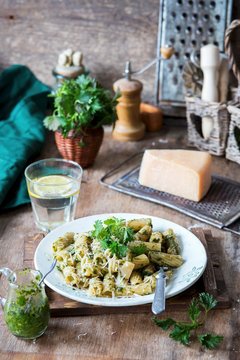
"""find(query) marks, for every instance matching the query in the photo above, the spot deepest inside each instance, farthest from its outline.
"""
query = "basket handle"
(231, 55)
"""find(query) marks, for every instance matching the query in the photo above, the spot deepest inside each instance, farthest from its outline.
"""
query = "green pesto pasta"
(117, 258)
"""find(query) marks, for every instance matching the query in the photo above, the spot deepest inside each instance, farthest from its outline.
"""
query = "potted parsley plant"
(81, 108)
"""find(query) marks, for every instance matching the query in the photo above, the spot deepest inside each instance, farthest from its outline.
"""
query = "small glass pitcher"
(26, 308)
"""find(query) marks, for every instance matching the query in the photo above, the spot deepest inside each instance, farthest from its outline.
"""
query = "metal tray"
(220, 207)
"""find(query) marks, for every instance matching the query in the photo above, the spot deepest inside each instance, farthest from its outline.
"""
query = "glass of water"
(53, 187)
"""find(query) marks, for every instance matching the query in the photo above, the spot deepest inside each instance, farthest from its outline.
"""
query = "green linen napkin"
(23, 104)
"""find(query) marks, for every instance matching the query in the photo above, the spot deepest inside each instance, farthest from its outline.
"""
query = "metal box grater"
(187, 25)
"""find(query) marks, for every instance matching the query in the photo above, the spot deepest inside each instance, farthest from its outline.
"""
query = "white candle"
(209, 62)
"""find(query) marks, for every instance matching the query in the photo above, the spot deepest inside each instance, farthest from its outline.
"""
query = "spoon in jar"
(49, 271)
(28, 303)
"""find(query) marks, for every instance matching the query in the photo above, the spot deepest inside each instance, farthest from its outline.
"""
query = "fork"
(158, 304)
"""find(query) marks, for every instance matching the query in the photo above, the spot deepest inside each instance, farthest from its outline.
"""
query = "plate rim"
(118, 301)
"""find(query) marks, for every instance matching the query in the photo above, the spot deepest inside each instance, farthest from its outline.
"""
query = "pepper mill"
(210, 62)
(129, 126)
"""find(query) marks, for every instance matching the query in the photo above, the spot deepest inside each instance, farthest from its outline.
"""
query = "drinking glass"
(53, 187)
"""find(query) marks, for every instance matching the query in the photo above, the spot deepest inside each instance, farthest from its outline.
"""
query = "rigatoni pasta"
(117, 258)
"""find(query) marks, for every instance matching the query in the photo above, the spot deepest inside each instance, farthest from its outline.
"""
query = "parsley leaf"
(207, 301)
(210, 341)
(114, 235)
(164, 324)
(98, 230)
(182, 331)
(194, 310)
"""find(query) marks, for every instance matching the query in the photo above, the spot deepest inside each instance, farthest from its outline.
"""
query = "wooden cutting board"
(212, 281)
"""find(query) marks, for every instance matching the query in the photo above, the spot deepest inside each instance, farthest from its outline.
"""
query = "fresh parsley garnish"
(114, 235)
(184, 332)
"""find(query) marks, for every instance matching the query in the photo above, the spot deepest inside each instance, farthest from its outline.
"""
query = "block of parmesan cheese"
(184, 173)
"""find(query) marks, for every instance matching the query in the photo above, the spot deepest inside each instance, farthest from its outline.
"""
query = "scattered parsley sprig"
(197, 312)
(113, 234)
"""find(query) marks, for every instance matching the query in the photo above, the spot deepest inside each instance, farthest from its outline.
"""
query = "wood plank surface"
(33, 33)
(107, 32)
(107, 336)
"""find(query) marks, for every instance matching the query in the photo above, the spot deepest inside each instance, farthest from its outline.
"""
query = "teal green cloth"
(23, 104)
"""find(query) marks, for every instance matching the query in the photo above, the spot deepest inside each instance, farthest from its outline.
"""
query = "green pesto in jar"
(26, 310)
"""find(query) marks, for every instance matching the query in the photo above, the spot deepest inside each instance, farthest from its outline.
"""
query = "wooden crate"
(196, 109)
(233, 143)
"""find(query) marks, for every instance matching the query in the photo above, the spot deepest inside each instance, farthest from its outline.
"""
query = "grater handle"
(166, 53)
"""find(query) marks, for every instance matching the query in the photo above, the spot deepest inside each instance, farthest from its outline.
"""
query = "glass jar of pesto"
(26, 308)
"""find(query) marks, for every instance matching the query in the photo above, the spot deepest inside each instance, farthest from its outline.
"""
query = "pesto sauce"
(27, 312)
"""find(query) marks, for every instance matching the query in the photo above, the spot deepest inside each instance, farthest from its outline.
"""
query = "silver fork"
(159, 302)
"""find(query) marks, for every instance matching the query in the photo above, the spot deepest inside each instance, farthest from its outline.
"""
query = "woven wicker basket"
(196, 109)
(233, 144)
(82, 148)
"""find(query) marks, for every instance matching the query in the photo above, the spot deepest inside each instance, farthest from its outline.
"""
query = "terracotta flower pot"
(82, 148)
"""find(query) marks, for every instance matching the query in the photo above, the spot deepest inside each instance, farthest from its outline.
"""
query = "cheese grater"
(187, 25)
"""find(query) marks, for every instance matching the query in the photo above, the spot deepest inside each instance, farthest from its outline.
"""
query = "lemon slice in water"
(54, 185)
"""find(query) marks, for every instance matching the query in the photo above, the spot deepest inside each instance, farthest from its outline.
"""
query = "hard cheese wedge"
(184, 173)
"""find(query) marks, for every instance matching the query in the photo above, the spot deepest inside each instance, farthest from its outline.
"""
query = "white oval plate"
(192, 251)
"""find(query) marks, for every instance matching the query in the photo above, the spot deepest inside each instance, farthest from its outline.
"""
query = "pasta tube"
(142, 289)
(64, 257)
(149, 270)
(144, 246)
(81, 245)
(63, 241)
(172, 243)
(108, 285)
(135, 278)
(113, 264)
(169, 274)
(95, 287)
(140, 261)
(151, 279)
(80, 239)
(156, 237)
(87, 267)
(126, 269)
(70, 275)
(144, 233)
(165, 259)
(137, 224)
(152, 246)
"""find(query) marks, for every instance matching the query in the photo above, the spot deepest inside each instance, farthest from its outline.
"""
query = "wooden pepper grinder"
(129, 126)
(210, 62)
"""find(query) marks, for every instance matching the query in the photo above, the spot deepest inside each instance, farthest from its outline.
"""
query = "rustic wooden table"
(121, 336)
